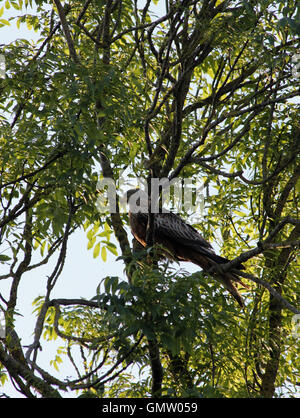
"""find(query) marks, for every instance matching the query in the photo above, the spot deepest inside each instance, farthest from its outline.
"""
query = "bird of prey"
(182, 241)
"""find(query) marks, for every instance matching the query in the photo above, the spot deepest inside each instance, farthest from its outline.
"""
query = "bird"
(181, 240)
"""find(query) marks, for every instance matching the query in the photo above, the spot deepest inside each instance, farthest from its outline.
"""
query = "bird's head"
(129, 193)
(137, 200)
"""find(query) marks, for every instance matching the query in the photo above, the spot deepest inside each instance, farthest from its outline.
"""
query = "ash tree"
(205, 89)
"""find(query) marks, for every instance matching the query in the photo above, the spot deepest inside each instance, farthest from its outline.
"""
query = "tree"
(196, 89)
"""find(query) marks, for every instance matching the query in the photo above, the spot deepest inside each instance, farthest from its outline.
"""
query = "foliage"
(194, 89)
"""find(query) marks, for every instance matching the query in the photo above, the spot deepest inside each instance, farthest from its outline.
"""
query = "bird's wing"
(173, 227)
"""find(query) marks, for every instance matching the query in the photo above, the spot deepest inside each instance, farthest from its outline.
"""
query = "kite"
(182, 241)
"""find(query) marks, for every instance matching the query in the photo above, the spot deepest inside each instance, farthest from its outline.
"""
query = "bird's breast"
(138, 228)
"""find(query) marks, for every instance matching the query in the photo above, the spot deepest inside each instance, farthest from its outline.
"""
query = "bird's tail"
(227, 281)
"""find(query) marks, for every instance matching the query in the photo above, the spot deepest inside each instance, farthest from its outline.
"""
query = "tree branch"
(65, 26)
(283, 302)
(15, 367)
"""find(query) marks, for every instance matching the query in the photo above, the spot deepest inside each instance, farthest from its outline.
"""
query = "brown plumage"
(183, 242)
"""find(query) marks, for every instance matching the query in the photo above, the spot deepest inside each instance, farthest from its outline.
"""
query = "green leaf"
(112, 248)
(90, 234)
(103, 253)
(239, 213)
(91, 243)
(88, 394)
(4, 258)
(16, 6)
(4, 22)
(96, 250)
(248, 7)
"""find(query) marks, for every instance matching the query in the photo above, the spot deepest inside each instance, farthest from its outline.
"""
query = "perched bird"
(182, 241)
